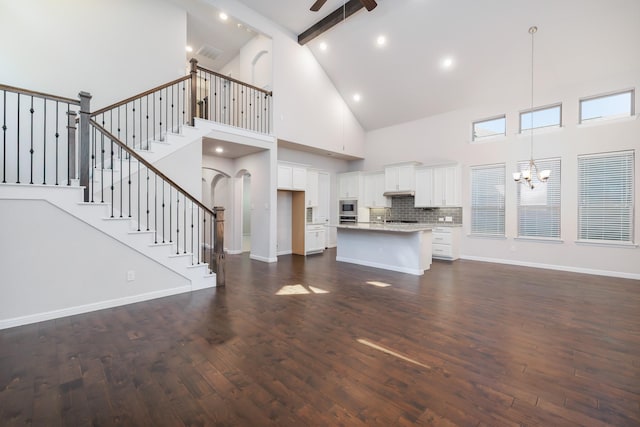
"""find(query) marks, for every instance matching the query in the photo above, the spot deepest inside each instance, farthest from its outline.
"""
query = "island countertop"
(397, 228)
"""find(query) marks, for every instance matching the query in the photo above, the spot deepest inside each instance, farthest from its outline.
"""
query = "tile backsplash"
(402, 209)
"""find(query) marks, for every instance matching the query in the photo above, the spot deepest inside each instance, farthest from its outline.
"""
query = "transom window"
(604, 107)
(489, 128)
(543, 117)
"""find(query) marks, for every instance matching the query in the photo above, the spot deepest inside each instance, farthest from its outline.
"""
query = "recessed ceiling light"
(189, 49)
(323, 46)
(223, 16)
(356, 97)
(239, 25)
(447, 62)
(219, 149)
(381, 41)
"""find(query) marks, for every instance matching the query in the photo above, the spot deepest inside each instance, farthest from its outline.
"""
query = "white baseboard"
(289, 252)
(234, 252)
(595, 272)
(263, 259)
(70, 311)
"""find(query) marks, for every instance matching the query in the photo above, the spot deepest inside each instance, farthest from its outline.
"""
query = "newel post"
(218, 246)
(85, 145)
(72, 171)
(194, 90)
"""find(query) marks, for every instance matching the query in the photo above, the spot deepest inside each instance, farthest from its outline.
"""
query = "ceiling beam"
(331, 20)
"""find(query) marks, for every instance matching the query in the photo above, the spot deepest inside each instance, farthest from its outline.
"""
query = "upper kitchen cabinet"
(437, 186)
(312, 191)
(349, 185)
(400, 177)
(373, 191)
(292, 177)
(424, 188)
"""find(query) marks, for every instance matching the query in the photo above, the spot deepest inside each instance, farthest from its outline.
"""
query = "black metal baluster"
(215, 99)
(44, 146)
(138, 196)
(204, 236)
(184, 228)
(31, 110)
(4, 137)
(155, 208)
(242, 101)
(141, 135)
(154, 116)
(212, 224)
(102, 167)
(93, 164)
(133, 127)
(147, 115)
(198, 234)
(126, 125)
(172, 111)
(112, 186)
(177, 223)
(57, 146)
(184, 101)
(147, 199)
(192, 252)
(160, 104)
(121, 168)
(163, 205)
(18, 141)
(166, 111)
(129, 183)
(170, 213)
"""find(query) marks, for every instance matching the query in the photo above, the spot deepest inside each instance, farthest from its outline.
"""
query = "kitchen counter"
(398, 247)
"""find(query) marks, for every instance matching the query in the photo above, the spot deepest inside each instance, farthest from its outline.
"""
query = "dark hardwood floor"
(467, 344)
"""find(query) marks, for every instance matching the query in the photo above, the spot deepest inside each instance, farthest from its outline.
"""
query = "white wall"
(242, 67)
(447, 137)
(86, 272)
(184, 167)
(285, 202)
(112, 49)
(307, 107)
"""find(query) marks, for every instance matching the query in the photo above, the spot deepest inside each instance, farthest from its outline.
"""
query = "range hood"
(399, 193)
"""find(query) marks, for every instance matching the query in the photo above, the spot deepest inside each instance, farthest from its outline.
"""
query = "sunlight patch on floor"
(391, 352)
(300, 290)
(378, 284)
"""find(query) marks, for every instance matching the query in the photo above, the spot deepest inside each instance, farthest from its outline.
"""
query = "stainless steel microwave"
(348, 207)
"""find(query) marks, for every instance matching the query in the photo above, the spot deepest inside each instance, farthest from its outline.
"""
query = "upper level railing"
(38, 137)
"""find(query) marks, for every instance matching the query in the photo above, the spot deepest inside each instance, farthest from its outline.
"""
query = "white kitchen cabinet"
(446, 242)
(400, 177)
(373, 191)
(314, 238)
(437, 186)
(349, 185)
(446, 186)
(292, 177)
(424, 188)
(312, 190)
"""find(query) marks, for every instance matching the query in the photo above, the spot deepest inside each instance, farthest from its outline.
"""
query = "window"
(605, 197)
(539, 208)
(607, 106)
(489, 128)
(487, 200)
(543, 117)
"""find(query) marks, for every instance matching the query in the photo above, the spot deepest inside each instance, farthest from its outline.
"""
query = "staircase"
(99, 169)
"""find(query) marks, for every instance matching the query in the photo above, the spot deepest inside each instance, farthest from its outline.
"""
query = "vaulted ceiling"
(486, 41)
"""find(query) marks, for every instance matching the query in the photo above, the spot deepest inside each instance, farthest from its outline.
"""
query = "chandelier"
(526, 177)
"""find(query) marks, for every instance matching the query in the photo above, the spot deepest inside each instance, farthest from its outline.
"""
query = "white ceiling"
(577, 41)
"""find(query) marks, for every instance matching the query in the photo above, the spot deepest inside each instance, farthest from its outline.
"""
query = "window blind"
(539, 208)
(487, 200)
(605, 197)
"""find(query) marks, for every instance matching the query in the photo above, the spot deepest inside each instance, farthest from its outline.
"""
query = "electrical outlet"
(440, 219)
(131, 276)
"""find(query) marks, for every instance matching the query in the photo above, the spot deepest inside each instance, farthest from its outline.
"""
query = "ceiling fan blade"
(369, 4)
(317, 5)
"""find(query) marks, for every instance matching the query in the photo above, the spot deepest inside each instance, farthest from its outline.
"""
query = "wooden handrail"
(140, 95)
(39, 94)
(266, 92)
(149, 166)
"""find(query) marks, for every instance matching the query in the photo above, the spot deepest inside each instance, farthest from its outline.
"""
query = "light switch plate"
(448, 219)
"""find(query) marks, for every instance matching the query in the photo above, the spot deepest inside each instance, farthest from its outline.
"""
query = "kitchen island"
(399, 247)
